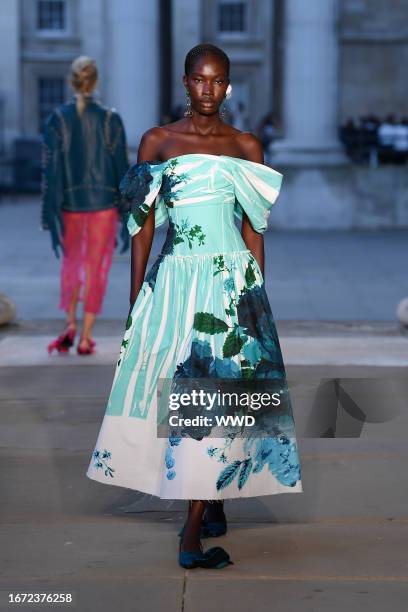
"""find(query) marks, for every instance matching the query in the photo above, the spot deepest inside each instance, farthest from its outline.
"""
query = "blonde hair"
(84, 75)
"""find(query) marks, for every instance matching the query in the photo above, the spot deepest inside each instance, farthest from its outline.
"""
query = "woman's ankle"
(191, 537)
(215, 511)
(84, 339)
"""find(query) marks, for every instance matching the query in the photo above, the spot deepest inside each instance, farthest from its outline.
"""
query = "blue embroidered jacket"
(84, 159)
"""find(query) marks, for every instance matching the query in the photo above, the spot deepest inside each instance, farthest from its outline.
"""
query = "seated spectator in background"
(387, 135)
(267, 134)
(368, 136)
(374, 140)
(240, 117)
(401, 140)
(349, 137)
(386, 132)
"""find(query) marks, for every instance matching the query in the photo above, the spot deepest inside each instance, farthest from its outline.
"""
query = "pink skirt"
(89, 242)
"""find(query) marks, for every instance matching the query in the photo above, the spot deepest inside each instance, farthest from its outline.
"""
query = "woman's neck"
(205, 125)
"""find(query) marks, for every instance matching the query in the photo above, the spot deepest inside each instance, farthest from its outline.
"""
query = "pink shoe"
(86, 346)
(64, 342)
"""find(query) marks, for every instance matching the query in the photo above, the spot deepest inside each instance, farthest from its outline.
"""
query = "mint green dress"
(202, 311)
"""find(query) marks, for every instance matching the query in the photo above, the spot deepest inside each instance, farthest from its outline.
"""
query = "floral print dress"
(202, 311)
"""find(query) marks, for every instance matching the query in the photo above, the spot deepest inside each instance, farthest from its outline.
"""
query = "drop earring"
(188, 112)
(223, 110)
(228, 94)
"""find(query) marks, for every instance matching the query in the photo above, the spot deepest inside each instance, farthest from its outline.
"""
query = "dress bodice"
(200, 195)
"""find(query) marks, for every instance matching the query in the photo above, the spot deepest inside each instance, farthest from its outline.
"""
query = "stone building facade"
(314, 63)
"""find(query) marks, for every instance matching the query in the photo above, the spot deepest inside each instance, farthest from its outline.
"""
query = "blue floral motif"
(174, 441)
(101, 461)
(219, 452)
(169, 457)
(224, 368)
(252, 351)
(169, 460)
(134, 188)
(201, 363)
(229, 284)
(198, 363)
(171, 178)
(255, 316)
(167, 249)
(168, 246)
(173, 237)
(279, 454)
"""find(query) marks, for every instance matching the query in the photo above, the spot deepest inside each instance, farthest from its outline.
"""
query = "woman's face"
(207, 84)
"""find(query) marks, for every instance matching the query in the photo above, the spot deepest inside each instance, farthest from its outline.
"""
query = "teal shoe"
(213, 558)
(213, 529)
(210, 529)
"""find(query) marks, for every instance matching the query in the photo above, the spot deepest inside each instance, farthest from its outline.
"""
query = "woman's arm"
(253, 151)
(142, 241)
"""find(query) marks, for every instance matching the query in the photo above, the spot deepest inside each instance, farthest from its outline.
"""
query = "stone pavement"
(339, 544)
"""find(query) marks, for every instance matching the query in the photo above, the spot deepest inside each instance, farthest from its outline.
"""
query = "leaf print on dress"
(125, 340)
(184, 233)
(209, 323)
(229, 283)
(101, 459)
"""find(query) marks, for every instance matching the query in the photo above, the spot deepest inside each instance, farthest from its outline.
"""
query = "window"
(51, 15)
(51, 93)
(232, 17)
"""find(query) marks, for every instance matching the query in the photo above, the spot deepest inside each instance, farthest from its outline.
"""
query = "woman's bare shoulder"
(152, 136)
(250, 146)
(151, 144)
(154, 140)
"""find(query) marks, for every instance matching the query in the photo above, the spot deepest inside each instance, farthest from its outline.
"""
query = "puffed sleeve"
(140, 190)
(256, 190)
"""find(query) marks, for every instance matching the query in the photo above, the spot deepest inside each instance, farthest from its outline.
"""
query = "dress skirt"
(88, 245)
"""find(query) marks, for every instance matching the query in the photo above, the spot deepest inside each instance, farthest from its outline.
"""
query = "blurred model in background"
(84, 158)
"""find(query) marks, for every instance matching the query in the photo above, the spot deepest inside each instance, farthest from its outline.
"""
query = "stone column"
(187, 18)
(132, 53)
(93, 30)
(310, 90)
(10, 70)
